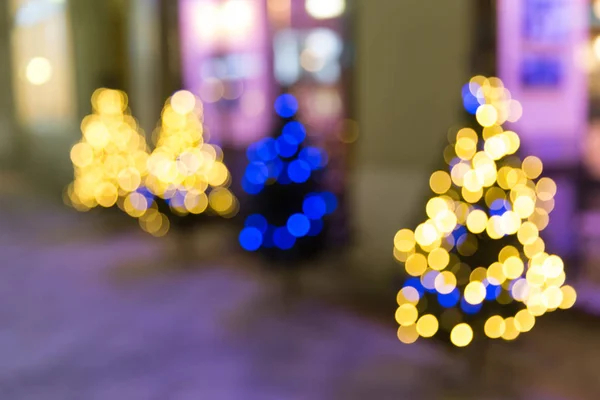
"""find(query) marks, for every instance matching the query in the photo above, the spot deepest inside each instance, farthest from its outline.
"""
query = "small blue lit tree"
(283, 174)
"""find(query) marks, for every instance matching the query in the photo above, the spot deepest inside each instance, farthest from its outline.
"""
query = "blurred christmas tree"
(183, 176)
(478, 264)
(186, 174)
(283, 175)
(110, 161)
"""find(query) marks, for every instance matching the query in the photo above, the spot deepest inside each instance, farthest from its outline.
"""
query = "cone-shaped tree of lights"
(478, 266)
(184, 171)
(282, 172)
(110, 161)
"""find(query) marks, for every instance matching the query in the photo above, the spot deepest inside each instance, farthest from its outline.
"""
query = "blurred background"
(93, 307)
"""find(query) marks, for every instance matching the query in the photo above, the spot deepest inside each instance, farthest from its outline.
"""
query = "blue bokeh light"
(314, 156)
(298, 225)
(316, 227)
(251, 239)
(283, 239)
(286, 106)
(284, 148)
(449, 300)
(299, 171)
(257, 221)
(492, 292)
(257, 173)
(314, 207)
(330, 201)
(266, 149)
(469, 308)
(250, 187)
(294, 132)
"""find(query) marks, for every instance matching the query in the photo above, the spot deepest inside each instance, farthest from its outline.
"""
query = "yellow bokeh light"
(532, 166)
(524, 321)
(408, 295)
(513, 267)
(546, 189)
(528, 233)
(404, 240)
(183, 102)
(408, 334)
(475, 292)
(435, 206)
(406, 314)
(440, 182)
(524, 206)
(416, 264)
(461, 335)
(438, 259)
(477, 221)
(38, 71)
(487, 115)
(445, 282)
(494, 327)
(465, 148)
(426, 234)
(495, 274)
(569, 297)
(510, 331)
(427, 326)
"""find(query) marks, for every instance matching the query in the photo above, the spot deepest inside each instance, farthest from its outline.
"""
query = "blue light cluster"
(259, 233)
(279, 160)
(282, 160)
(470, 102)
(454, 298)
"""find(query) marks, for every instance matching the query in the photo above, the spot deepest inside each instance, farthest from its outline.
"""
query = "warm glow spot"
(129, 179)
(440, 182)
(506, 252)
(325, 9)
(445, 282)
(183, 102)
(427, 326)
(487, 115)
(461, 335)
(426, 234)
(435, 206)
(528, 233)
(406, 314)
(510, 332)
(471, 197)
(495, 274)
(524, 321)
(477, 221)
(404, 240)
(38, 71)
(552, 297)
(408, 295)
(510, 223)
(524, 206)
(494, 327)
(416, 264)
(465, 148)
(513, 141)
(438, 259)
(221, 200)
(106, 194)
(408, 334)
(546, 189)
(532, 166)
(475, 292)
(513, 267)
(82, 155)
(569, 297)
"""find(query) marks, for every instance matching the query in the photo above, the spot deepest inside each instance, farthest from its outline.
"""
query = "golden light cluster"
(110, 160)
(487, 194)
(183, 169)
(113, 164)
